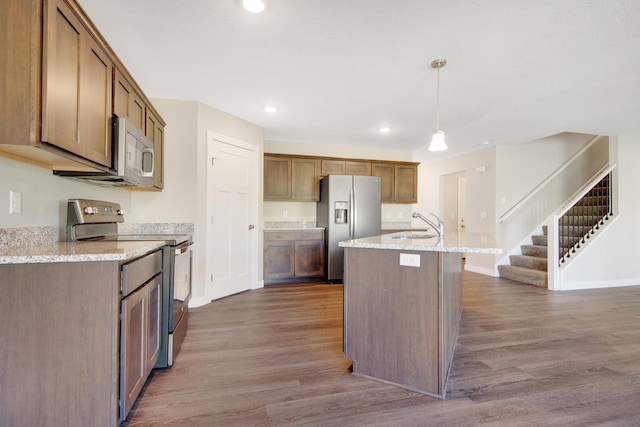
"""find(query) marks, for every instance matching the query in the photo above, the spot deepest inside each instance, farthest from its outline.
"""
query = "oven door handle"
(181, 249)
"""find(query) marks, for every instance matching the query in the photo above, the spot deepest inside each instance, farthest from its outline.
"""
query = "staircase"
(531, 266)
(574, 228)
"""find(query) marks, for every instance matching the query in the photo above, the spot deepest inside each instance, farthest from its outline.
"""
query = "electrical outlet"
(285, 213)
(15, 202)
(410, 260)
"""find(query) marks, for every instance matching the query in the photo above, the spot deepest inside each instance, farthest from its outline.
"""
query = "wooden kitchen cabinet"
(386, 172)
(296, 178)
(293, 255)
(305, 179)
(126, 102)
(398, 182)
(277, 178)
(140, 340)
(61, 89)
(76, 87)
(291, 178)
(154, 130)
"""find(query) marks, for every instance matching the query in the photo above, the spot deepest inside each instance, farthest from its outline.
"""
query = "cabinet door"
(76, 87)
(279, 260)
(95, 101)
(332, 167)
(277, 178)
(126, 102)
(305, 179)
(154, 328)
(61, 77)
(133, 373)
(386, 172)
(406, 184)
(155, 132)
(357, 168)
(309, 258)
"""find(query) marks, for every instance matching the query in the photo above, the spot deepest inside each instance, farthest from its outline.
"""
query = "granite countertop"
(78, 252)
(412, 241)
(294, 229)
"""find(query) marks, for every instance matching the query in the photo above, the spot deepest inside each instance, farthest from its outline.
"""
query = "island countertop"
(78, 251)
(477, 243)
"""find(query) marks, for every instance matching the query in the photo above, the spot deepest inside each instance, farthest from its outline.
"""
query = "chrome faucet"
(439, 227)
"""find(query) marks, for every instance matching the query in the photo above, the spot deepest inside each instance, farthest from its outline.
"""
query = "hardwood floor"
(525, 357)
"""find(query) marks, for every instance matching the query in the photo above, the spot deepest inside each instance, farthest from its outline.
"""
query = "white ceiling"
(339, 69)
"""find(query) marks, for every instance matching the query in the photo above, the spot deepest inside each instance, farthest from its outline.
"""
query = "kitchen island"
(403, 305)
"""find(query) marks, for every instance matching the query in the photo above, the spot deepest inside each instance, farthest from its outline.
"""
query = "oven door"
(181, 283)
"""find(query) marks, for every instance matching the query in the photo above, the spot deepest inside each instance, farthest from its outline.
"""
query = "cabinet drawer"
(136, 273)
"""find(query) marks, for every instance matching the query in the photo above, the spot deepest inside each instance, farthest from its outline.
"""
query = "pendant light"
(437, 140)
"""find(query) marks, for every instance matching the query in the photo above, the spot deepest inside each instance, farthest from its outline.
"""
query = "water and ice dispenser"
(340, 212)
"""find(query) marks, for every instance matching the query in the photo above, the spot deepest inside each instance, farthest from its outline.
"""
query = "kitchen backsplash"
(155, 228)
(289, 224)
(27, 236)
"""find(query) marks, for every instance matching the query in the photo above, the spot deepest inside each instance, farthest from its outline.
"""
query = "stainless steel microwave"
(133, 159)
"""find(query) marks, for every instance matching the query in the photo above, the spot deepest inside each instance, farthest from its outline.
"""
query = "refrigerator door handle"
(354, 213)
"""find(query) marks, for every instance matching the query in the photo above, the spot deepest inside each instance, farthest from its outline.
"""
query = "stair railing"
(557, 252)
(536, 206)
(583, 215)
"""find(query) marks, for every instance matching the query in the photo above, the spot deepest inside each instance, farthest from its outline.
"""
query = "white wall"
(613, 259)
(481, 195)
(184, 198)
(44, 195)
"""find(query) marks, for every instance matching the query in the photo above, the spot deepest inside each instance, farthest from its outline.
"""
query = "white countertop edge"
(467, 243)
(74, 252)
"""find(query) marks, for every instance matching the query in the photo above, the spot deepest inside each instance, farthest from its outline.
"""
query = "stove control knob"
(90, 210)
(120, 212)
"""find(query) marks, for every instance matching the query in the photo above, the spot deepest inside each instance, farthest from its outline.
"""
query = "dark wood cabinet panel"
(309, 258)
(305, 179)
(296, 178)
(132, 348)
(333, 167)
(406, 184)
(357, 168)
(293, 255)
(386, 172)
(277, 178)
(126, 102)
(155, 132)
(76, 87)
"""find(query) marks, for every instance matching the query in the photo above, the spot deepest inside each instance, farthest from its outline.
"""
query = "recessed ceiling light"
(384, 129)
(254, 6)
(270, 108)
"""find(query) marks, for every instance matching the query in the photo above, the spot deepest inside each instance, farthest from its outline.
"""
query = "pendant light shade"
(438, 139)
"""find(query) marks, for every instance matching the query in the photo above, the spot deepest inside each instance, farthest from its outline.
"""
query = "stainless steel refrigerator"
(349, 208)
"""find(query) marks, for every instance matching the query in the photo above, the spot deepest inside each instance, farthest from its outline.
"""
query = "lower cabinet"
(140, 340)
(293, 256)
(140, 325)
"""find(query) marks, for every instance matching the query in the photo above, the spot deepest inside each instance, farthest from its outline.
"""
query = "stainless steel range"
(98, 220)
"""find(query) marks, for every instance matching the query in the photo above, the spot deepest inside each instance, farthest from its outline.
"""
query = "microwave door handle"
(147, 152)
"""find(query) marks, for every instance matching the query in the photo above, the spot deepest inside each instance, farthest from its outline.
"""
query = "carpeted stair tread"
(525, 275)
(533, 262)
(534, 250)
(539, 240)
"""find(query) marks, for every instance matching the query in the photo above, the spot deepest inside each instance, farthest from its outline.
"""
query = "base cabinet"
(291, 256)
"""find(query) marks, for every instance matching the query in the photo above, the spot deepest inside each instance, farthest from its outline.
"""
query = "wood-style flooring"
(525, 356)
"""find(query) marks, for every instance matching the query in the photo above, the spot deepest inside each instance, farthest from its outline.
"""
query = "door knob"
(251, 226)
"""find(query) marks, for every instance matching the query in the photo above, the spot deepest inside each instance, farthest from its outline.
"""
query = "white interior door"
(462, 203)
(232, 183)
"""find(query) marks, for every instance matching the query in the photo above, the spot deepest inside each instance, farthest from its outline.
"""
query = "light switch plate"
(15, 202)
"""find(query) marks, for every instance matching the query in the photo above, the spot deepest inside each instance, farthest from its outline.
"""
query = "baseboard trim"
(481, 270)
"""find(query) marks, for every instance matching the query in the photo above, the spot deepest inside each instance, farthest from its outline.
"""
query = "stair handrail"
(547, 180)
